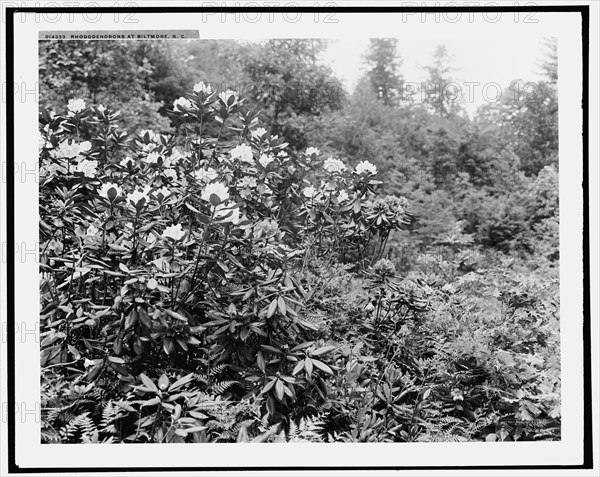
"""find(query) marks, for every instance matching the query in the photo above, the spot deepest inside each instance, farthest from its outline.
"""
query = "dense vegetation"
(266, 257)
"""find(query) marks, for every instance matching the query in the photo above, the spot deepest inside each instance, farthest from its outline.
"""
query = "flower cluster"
(265, 160)
(218, 189)
(76, 105)
(265, 229)
(202, 88)
(87, 168)
(384, 268)
(387, 213)
(182, 104)
(174, 232)
(334, 165)
(243, 153)
(258, 132)
(365, 167)
(70, 150)
(206, 175)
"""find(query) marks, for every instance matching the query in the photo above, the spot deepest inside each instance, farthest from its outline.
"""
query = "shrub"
(172, 267)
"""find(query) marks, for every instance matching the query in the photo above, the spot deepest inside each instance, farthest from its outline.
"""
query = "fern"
(306, 430)
(81, 425)
(110, 414)
(221, 387)
(217, 370)
(453, 429)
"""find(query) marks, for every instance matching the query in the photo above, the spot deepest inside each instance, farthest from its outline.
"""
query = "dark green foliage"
(284, 79)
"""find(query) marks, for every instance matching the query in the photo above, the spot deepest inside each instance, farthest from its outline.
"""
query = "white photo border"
(31, 455)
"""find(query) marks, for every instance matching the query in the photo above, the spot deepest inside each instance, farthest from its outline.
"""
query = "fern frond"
(81, 425)
(110, 414)
(217, 370)
(221, 387)
(306, 430)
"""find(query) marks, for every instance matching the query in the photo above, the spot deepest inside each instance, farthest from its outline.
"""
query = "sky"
(483, 62)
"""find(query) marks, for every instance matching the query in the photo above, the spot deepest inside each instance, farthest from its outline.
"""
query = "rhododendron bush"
(174, 267)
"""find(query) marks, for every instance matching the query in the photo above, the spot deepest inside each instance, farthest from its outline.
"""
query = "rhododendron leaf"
(176, 315)
(163, 382)
(299, 367)
(193, 209)
(322, 366)
(281, 305)
(323, 350)
(279, 389)
(272, 308)
(148, 383)
(168, 345)
(270, 348)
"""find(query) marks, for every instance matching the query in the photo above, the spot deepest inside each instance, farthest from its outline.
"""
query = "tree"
(287, 82)
(549, 65)
(383, 65)
(441, 94)
(101, 72)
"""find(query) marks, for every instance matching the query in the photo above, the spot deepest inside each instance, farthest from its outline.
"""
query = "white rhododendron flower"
(65, 149)
(333, 165)
(202, 88)
(71, 150)
(107, 187)
(243, 152)
(89, 168)
(183, 102)
(366, 166)
(165, 192)
(328, 186)
(258, 132)
(76, 105)
(92, 231)
(310, 192)
(151, 134)
(217, 188)
(126, 161)
(266, 160)
(136, 196)
(245, 186)
(88, 362)
(206, 175)
(312, 150)
(170, 174)
(84, 146)
(148, 147)
(176, 156)
(342, 196)
(152, 158)
(225, 95)
(265, 228)
(174, 232)
(101, 108)
(224, 213)
(247, 181)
